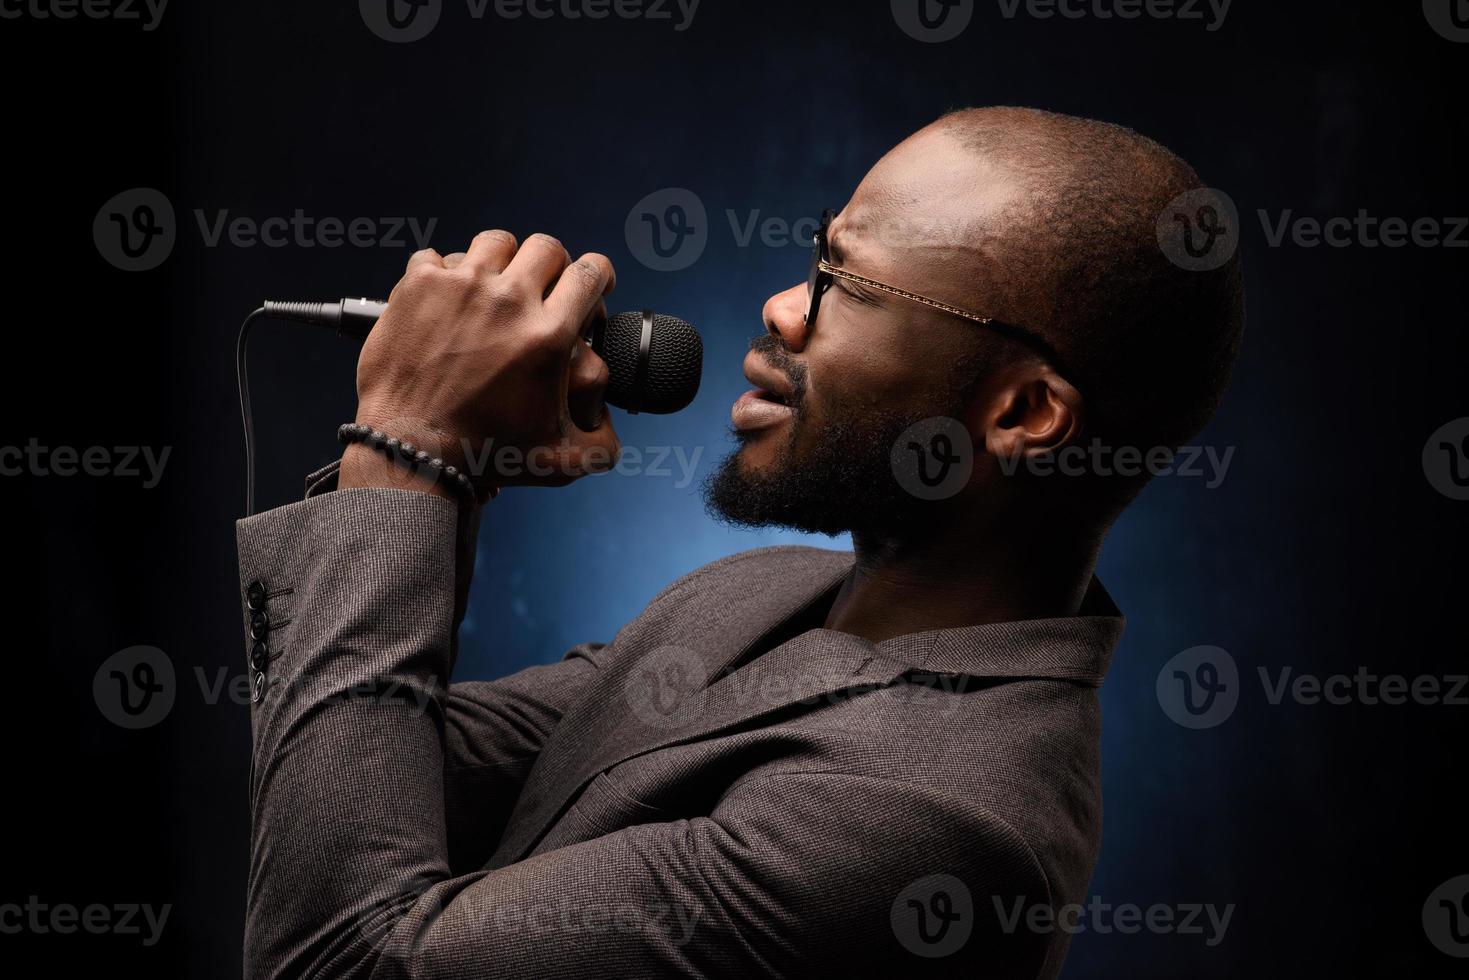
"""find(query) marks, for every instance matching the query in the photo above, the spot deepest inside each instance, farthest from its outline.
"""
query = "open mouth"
(759, 408)
(769, 402)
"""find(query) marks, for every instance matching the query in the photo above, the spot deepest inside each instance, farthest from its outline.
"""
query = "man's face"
(831, 397)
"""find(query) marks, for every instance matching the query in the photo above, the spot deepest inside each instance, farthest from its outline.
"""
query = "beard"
(840, 479)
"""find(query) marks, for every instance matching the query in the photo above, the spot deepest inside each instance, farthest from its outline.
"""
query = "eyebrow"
(837, 255)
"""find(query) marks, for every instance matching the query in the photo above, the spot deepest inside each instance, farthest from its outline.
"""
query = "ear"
(1034, 413)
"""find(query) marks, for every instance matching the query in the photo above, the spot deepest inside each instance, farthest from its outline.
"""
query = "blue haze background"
(1324, 550)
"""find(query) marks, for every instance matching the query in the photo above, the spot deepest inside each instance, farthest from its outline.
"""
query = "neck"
(983, 571)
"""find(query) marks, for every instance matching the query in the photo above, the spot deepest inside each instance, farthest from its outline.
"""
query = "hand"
(481, 359)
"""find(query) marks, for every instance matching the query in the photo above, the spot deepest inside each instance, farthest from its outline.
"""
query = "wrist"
(365, 467)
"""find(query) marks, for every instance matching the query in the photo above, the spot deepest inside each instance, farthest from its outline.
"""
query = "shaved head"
(1069, 248)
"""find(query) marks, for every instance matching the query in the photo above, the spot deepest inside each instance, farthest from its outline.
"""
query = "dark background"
(1326, 549)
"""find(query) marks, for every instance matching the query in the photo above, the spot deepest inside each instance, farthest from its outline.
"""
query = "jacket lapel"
(665, 684)
(672, 689)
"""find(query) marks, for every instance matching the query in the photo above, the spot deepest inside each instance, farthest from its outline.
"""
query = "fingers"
(538, 264)
(586, 388)
(491, 251)
(595, 451)
(579, 453)
(578, 294)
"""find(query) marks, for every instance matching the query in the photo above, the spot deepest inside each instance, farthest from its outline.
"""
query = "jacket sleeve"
(350, 866)
(494, 730)
(493, 733)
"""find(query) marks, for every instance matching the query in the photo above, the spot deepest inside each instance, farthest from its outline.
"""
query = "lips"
(768, 403)
(756, 409)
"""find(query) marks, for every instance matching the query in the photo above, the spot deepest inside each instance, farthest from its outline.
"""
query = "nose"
(785, 317)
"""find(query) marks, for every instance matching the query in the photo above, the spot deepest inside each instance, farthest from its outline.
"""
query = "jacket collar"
(1072, 648)
(617, 720)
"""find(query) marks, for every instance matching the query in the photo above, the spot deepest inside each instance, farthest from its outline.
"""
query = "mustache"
(778, 356)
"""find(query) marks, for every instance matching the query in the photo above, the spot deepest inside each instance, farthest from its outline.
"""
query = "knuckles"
(496, 235)
(549, 241)
(588, 271)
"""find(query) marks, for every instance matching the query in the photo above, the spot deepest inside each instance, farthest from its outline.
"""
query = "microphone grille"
(675, 363)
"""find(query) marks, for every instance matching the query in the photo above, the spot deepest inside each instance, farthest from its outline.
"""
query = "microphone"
(656, 361)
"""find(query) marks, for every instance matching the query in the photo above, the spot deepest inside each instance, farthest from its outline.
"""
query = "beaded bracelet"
(416, 459)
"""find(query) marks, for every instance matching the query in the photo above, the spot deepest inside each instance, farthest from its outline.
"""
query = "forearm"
(347, 789)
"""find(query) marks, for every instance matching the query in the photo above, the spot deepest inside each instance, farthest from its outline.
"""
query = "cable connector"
(353, 318)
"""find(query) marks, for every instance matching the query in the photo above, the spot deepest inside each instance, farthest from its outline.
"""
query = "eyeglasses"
(823, 273)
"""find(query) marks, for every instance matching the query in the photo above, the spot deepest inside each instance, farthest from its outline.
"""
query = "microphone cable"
(242, 379)
(350, 318)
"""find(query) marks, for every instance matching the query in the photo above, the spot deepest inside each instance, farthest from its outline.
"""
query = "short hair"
(1152, 343)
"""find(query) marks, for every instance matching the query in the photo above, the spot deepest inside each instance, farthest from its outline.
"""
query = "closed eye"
(856, 292)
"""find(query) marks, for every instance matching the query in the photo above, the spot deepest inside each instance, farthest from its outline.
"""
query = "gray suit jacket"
(826, 807)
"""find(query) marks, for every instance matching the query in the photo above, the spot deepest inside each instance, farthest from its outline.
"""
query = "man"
(794, 761)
